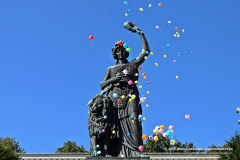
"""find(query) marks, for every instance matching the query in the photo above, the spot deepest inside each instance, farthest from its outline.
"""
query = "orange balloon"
(176, 28)
(143, 74)
(162, 127)
(145, 77)
(144, 137)
(133, 121)
(160, 4)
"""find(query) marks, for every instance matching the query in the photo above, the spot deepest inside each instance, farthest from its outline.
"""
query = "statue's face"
(121, 53)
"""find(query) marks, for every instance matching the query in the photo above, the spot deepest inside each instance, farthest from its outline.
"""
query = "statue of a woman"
(121, 80)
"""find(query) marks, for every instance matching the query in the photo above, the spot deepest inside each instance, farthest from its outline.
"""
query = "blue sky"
(49, 68)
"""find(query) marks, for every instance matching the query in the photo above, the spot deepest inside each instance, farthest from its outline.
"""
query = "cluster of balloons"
(140, 8)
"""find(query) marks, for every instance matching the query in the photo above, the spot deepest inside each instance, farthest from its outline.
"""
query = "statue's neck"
(122, 61)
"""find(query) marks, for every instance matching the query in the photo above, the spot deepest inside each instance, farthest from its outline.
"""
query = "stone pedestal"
(117, 158)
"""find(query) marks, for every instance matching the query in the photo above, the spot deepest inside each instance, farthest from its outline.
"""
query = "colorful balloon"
(155, 131)
(147, 105)
(91, 37)
(172, 142)
(168, 45)
(176, 76)
(125, 2)
(176, 28)
(170, 127)
(126, 14)
(151, 53)
(187, 116)
(159, 4)
(141, 148)
(130, 82)
(150, 5)
(150, 137)
(157, 27)
(128, 49)
(155, 138)
(141, 9)
(148, 92)
(144, 137)
(160, 131)
(174, 61)
(162, 127)
(156, 64)
(183, 30)
(164, 56)
(169, 22)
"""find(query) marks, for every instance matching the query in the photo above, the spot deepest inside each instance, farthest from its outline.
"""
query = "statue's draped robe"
(121, 142)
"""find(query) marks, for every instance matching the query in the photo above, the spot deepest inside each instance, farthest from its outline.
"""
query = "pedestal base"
(118, 158)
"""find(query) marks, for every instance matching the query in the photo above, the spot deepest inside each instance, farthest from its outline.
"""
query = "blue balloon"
(146, 52)
(100, 131)
(125, 45)
(129, 10)
(168, 45)
(115, 95)
(97, 146)
(189, 49)
(105, 117)
(128, 134)
(131, 117)
(125, 2)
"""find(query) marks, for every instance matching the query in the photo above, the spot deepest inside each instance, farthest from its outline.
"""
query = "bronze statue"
(119, 84)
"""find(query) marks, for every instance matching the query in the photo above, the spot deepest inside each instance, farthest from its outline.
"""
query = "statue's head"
(120, 52)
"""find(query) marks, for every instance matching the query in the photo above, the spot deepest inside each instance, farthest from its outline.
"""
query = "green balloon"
(128, 49)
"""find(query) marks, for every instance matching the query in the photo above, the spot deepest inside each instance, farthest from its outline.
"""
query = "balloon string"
(91, 43)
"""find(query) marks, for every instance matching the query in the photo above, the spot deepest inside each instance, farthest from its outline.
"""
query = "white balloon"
(164, 134)
(169, 22)
(99, 152)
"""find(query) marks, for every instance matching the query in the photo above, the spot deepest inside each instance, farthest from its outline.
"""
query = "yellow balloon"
(148, 92)
(130, 99)
(147, 105)
(143, 51)
(177, 77)
(155, 131)
(140, 86)
(172, 142)
(151, 53)
(164, 56)
(156, 64)
(178, 36)
(177, 33)
(141, 9)
(133, 121)
(150, 5)
(126, 14)
(133, 96)
(144, 118)
(183, 30)
(155, 138)
(136, 82)
(113, 132)
(122, 96)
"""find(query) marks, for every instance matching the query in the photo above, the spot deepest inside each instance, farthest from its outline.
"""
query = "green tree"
(163, 145)
(233, 144)
(12, 144)
(70, 147)
(8, 149)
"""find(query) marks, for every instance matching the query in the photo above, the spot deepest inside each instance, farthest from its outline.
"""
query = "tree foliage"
(70, 147)
(234, 144)
(12, 144)
(163, 145)
(8, 149)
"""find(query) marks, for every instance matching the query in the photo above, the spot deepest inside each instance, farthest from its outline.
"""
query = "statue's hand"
(132, 27)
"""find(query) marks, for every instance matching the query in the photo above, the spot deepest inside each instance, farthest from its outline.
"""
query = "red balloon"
(91, 37)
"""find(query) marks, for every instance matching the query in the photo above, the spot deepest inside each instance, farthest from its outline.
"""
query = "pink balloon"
(103, 130)
(124, 71)
(160, 131)
(187, 116)
(170, 127)
(174, 61)
(149, 82)
(141, 148)
(157, 27)
(142, 99)
(130, 82)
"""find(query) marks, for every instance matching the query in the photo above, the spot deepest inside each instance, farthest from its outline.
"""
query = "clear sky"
(49, 69)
